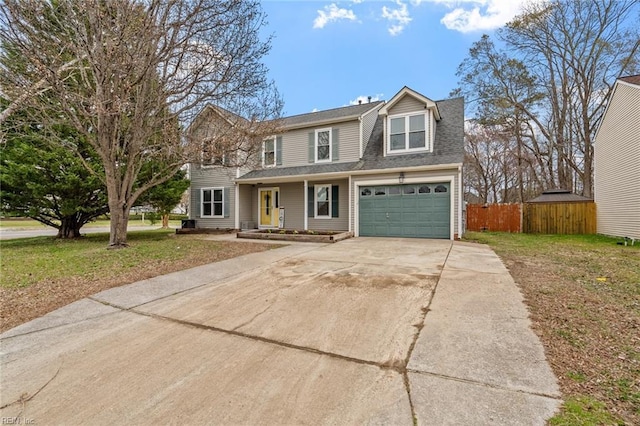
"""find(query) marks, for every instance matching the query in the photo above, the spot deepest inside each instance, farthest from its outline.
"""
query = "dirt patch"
(351, 280)
(19, 305)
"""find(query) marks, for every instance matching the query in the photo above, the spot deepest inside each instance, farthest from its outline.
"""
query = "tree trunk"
(119, 214)
(69, 228)
(165, 221)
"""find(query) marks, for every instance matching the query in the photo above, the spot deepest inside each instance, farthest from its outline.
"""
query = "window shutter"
(225, 201)
(335, 207)
(196, 196)
(310, 201)
(312, 147)
(335, 145)
(279, 151)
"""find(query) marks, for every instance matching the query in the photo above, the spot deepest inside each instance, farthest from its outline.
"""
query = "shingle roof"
(633, 79)
(559, 196)
(300, 170)
(335, 114)
(448, 148)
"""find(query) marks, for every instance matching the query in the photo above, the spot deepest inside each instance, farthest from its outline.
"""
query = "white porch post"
(306, 205)
(237, 207)
(350, 205)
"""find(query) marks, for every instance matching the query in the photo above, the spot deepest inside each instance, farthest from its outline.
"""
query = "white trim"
(275, 151)
(315, 145)
(450, 179)
(306, 204)
(273, 190)
(350, 226)
(315, 200)
(361, 139)
(406, 91)
(428, 143)
(212, 189)
(345, 175)
(236, 213)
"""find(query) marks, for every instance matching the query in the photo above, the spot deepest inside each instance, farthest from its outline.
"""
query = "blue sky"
(327, 54)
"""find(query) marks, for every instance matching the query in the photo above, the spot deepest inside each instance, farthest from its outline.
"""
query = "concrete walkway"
(368, 330)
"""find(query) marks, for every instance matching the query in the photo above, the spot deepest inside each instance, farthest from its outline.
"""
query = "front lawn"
(583, 292)
(38, 275)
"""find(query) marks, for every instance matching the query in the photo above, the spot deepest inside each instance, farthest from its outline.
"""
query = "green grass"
(584, 295)
(31, 260)
(584, 411)
(22, 223)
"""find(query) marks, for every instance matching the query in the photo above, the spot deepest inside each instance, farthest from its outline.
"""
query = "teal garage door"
(420, 210)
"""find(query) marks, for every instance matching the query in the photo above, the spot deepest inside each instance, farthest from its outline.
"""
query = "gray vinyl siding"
(617, 165)
(406, 105)
(430, 176)
(295, 144)
(368, 121)
(292, 199)
(212, 177)
(246, 206)
(340, 223)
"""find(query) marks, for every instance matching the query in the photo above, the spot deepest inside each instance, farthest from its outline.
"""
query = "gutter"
(338, 175)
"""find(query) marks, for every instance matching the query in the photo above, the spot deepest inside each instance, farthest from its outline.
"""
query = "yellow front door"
(266, 207)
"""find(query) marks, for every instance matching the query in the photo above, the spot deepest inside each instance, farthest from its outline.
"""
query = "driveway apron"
(368, 330)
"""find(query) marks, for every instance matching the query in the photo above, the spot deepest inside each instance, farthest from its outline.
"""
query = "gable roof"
(346, 113)
(448, 150)
(632, 79)
(406, 91)
(208, 109)
(448, 146)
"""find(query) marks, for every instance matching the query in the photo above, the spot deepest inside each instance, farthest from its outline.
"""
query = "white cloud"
(398, 18)
(332, 13)
(478, 15)
(365, 99)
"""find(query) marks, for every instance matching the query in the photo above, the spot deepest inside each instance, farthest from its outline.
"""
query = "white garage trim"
(408, 180)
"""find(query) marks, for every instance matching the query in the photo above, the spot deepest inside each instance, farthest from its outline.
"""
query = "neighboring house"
(376, 169)
(617, 162)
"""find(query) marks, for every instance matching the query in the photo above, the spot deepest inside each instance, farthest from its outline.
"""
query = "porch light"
(401, 177)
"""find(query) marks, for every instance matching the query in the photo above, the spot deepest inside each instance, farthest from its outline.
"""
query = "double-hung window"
(269, 152)
(323, 201)
(323, 145)
(212, 202)
(408, 133)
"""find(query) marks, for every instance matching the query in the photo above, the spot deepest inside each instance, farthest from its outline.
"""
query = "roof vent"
(369, 97)
(359, 101)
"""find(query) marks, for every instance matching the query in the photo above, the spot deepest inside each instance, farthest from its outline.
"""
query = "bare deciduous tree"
(550, 83)
(130, 75)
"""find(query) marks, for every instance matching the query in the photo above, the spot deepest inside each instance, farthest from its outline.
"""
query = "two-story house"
(376, 169)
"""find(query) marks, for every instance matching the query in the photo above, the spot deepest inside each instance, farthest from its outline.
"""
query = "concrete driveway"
(382, 331)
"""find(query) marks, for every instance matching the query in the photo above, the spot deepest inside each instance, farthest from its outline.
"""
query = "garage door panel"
(415, 210)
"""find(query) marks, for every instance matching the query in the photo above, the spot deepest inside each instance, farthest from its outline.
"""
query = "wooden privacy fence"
(559, 218)
(533, 218)
(494, 217)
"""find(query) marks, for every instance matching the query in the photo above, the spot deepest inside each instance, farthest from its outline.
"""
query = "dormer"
(409, 123)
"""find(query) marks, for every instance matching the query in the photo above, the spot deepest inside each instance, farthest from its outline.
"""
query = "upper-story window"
(323, 145)
(408, 133)
(211, 156)
(269, 152)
